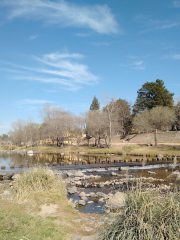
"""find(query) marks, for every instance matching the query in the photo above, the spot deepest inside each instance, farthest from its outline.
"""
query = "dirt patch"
(47, 210)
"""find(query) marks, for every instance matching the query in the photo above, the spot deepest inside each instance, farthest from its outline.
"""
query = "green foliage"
(95, 104)
(177, 112)
(152, 94)
(147, 216)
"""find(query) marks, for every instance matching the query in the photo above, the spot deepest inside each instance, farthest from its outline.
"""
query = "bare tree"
(78, 128)
(17, 134)
(57, 123)
(108, 109)
(158, 118)
(96, 125)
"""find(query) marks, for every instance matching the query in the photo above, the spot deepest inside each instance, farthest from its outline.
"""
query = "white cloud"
(31, 38)
(64, 14)
(137, 65)
(173, 57)
(176, 56)
(56, 68)
(176, 3)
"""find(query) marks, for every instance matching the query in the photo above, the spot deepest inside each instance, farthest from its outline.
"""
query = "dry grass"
(147, 216)
(39, 210)
(37, 180)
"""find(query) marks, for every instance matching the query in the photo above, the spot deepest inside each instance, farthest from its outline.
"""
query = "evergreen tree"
(153, 94)
(95, 104)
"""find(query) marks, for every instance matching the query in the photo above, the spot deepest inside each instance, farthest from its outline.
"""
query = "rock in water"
(79, 174)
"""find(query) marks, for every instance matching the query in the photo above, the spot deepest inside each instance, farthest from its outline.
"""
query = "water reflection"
(74, 161)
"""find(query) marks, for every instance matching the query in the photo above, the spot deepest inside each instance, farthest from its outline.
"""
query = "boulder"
(114, 174)
(82, 194)
(149, 172)
(91, 176)
(101, 185)
(78, 183)
(92, 194)
(77, 178)
(101, 200)
(117, 200)
(82, 202)
(69, 174)
(72, 190)
(100, 194)
(79, 174)
(84, 198)
(16, 176)
(124, 168)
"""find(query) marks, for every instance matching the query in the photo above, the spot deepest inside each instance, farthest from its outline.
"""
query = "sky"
(65, 52)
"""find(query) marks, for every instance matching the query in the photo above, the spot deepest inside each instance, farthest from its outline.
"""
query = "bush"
(147, 216)
(37, 180)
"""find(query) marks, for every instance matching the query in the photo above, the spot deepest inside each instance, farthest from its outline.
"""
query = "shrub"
(147, 216)
(37, 180)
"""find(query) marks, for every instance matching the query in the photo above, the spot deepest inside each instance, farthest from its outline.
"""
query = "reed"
(147, 216)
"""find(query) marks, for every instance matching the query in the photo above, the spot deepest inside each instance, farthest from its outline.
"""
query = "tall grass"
(147, 216)
(37, 180)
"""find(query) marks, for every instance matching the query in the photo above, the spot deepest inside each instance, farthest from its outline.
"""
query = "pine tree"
(153, 94)
(95, 104)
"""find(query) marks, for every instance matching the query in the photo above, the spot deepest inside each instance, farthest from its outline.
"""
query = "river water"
(98, 165)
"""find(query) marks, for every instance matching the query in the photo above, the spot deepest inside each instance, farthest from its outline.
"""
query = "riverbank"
(117, 148)
(35, 206)
(98, 190)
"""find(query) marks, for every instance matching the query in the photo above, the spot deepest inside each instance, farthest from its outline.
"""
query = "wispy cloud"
(31, 102)
(31, 38)
(63, 13)
(101, 44)
(64, 69)
(137, 65)
(152, 24)
(176, 3)
(173, 56)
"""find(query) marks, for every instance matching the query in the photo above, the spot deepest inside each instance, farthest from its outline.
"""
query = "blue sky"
(65, 52)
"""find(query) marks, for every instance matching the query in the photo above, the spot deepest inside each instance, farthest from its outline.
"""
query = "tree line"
(154, 110)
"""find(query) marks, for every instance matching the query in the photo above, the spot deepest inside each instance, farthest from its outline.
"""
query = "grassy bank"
(147, 216)
(38, 209)
(117, 148)
(120, 149)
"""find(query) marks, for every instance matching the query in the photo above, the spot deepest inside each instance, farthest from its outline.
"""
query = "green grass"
(147, 216)
(123, 148)
(8, 147)
(24, 217)
(15, 223)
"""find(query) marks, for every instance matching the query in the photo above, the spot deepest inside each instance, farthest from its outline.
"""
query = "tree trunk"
(95, 141)
(155, 137)
(110, 133)
(99, 139)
